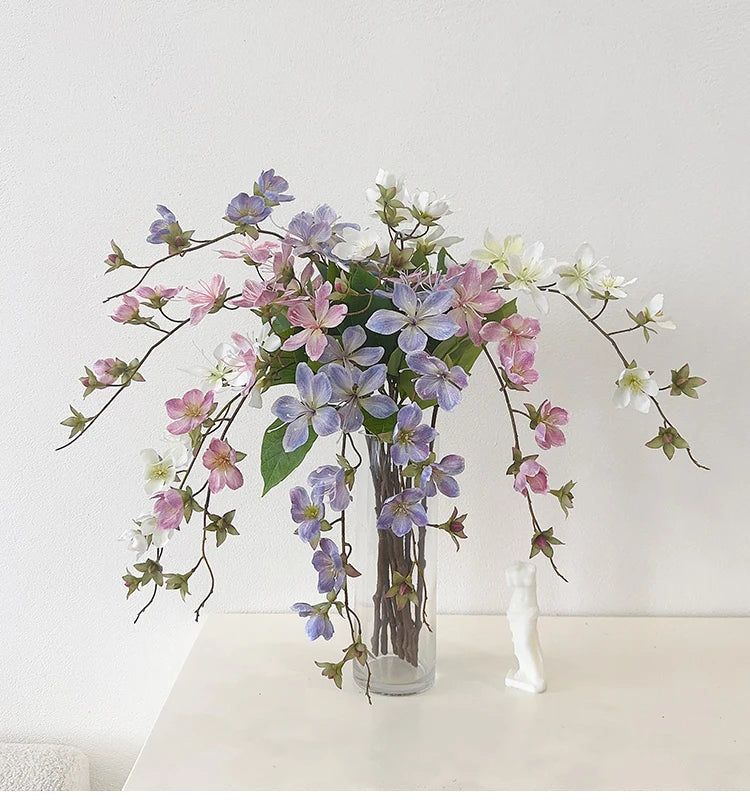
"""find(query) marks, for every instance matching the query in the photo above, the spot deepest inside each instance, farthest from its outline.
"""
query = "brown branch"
(149, 268)
(120, 389)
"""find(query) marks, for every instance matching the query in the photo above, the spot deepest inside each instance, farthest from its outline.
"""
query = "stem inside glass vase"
(396, 593)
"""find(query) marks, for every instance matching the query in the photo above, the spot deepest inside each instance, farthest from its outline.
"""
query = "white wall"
(622, 123)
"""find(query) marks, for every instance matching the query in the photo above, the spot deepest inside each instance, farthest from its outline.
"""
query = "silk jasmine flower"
(318, 623)
(439, 476)
(655, 314)
(388, 181)
(190, 411)
(307, 513)
(329, 566)
(417, 319)
(497, 251)
(411, 438)
(402, 511)
(349, 351)
(311, 409)
(159, 472)
(247, 210)
(426, 207)
(611, 286)
(220, 459)
(329, 482)
(358, 246)
(436, 380)
(579, 278)
(635, 387)
(527, 271)
(356, 390)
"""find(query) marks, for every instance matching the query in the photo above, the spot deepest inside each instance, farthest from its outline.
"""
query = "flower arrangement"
(373, 330)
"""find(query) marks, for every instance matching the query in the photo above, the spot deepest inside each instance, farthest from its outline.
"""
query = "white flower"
(136, 540)
(389, 181)
(425, 206)
(357, 246)
(159, 472)
(434, 240)
(611, 286)
(149, 527)
(178, 449)
(496, 252)
(578, 279)
(635, 387)
(654, 314)
(528, 270)
(211, 375)
(267, 339)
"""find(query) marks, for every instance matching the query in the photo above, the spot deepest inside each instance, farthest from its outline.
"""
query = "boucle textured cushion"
(42, 768)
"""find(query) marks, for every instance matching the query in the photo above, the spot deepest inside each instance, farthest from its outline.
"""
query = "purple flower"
(402, 511)
(270, 187)
(349, 352)
(418, 319)
(310, 409)
(317, 231)
(439, 476)
(160, 228)
(247, 209)
(329, 482)
(329, 566)
(318, 623)
(436, 380)
(353, 389)
(308, 514)
(411, 439)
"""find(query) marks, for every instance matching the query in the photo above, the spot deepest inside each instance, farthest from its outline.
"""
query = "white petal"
(640, 402)
(622, 397)
(150, 457)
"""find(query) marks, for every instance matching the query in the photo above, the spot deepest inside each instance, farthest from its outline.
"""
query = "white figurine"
(523, 612)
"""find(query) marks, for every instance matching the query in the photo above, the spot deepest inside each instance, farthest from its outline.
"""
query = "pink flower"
(257, 294)
(474, 298)
(102, 371)
(314, 322)
(531, 475)
(168, 509)
(220, 459)
(205, 299)
(283, 262)
(512, 334)
(519, 368)
(547, 432)
(190, 411)
(255, 252)
(127, 311)
(156, 294)
(239, 356)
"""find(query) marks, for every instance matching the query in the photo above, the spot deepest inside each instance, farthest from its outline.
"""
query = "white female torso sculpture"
(523, 612)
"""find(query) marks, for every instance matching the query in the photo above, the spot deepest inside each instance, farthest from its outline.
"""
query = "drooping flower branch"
(372, 330)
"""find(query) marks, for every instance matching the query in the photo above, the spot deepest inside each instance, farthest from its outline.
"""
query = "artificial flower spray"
(371, 335)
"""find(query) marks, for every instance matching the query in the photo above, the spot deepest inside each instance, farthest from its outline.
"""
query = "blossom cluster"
(373, 330)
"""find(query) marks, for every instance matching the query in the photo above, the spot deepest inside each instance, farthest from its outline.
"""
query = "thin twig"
(150, 267)
(143, 359)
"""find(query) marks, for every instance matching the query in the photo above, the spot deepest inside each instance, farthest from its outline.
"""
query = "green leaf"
(276, 464)
(508, 309)
(378, 426)
(442, 254)
(418, 258)
(395, 362)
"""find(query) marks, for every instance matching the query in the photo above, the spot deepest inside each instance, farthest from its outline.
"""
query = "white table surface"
(633, 703)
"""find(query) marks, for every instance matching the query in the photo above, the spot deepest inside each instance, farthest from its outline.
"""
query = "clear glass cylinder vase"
(395, 596)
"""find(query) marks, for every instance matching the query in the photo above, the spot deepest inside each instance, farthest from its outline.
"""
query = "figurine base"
(524, 685)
